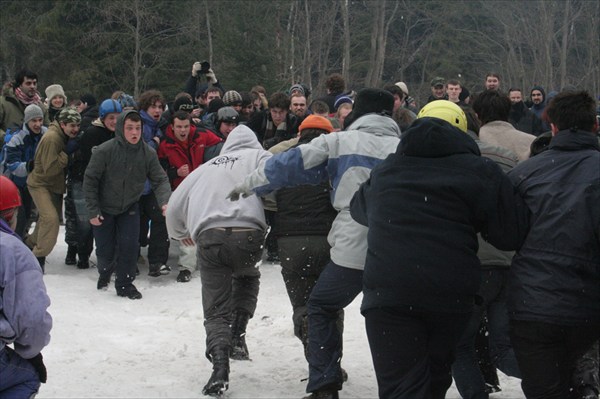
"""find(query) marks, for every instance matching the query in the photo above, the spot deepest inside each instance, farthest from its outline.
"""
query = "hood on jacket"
(241, 138)
(376, 124)
(119, 130)
(433, 138)
(541, 89)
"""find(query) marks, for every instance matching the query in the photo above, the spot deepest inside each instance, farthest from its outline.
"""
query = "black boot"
(239, 349)
(42, 262)
(83, 263)
(71, 257)
(219, 380)
(324, 393)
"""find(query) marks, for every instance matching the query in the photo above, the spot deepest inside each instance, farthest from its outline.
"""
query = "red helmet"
(9, 194)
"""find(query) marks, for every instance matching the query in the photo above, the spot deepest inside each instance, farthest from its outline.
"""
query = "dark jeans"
(336, 288)
(117, 246)
(303, 258)
(547, 354)
(413, 351)
(230, 279)
(158, 243)
(18, 378)
(469, 381)
(78, 230)
(23, 222)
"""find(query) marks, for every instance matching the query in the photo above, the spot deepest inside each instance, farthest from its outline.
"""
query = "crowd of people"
(471, 225)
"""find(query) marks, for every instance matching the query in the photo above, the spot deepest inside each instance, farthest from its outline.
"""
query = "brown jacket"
(50, 161)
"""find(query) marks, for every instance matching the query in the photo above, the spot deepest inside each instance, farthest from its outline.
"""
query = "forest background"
(100, 46)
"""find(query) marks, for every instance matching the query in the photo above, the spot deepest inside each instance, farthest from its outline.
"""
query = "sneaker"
(492, 388)
(103, 282)
(184, 276)
(130, 292)
(157, 270)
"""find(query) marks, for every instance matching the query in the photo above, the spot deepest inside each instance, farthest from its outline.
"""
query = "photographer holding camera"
(202, 78)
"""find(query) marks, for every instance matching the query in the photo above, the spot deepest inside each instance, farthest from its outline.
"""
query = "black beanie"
(215, 105)
(370, 101)
(89, 99)
(183, 104)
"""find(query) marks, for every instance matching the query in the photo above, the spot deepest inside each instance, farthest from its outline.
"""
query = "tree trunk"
(209, 33)
(346, 56)
(137, 56)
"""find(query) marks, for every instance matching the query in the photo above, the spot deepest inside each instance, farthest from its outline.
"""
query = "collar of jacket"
(574, 140)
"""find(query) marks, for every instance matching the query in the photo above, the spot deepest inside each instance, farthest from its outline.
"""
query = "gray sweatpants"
(230, 278)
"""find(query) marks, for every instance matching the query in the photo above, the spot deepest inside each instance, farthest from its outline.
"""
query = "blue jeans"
(117, 246)
(18, 378)
(466, 372)
(336, 288)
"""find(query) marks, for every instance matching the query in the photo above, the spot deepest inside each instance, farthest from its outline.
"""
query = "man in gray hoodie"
(113, 184)
(229, 238)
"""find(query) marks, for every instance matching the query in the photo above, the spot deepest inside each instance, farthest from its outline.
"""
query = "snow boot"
(83, 263)
(130, 292)
(103, 282)
(239, 350)
(324, 393)
(71, 257)
(219, 380)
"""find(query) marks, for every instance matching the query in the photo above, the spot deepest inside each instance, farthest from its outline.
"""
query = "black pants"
(78, 230)
(158, 243)
(27, 205)
(413, 351)
(547, 354)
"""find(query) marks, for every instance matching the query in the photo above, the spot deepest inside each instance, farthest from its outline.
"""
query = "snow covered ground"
(104, 346)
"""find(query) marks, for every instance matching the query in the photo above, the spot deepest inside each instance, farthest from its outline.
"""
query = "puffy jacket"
(20, 150)
(345, 159)
(424, 206)
(92, 137)
(114, 178)
(173, 154)
(12, 112)
(555, 276)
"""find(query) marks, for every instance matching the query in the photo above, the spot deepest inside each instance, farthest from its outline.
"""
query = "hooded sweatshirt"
(538, 109)
(200, 202)
(114, 178)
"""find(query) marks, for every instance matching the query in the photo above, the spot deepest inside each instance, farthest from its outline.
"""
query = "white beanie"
(32, 111)
(55, 90)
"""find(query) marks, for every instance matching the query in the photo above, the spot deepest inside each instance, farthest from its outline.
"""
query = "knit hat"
(402, 87)
(297, 87)
(232, 97)
(89, 99)
(341, 99)
(438, 81)
(316, 122)
(31, 112)
(69, 115)
(55, 90)
(215, 105)
(183, 103)
(126, 101)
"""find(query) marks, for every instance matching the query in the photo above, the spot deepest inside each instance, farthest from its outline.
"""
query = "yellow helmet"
(445, 110)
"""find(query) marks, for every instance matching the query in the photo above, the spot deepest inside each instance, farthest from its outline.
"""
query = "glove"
(195, 68)
(211, 77)
(239, 189)
(72, 146)
(30, 166)
(38, 364)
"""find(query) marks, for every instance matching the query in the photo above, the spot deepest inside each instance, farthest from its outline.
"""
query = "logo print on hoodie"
(225, 160)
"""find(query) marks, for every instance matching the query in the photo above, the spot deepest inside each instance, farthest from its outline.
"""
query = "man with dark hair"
(298, 105)
(152, 104)
(492, 109)
(345, 159)
(520, 116)
(14, 100)
(24, 320)
(335, 85)
(320, 108)
(492, 81)
(276, 123)
(554, 287)
(182, 151)
(453, 90)
(112, 199)
(398, 95)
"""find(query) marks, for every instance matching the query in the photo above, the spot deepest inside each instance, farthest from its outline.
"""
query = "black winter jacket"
(555, 276)
(424, 206)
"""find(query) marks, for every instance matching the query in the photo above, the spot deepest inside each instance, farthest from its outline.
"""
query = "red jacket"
(173, 153)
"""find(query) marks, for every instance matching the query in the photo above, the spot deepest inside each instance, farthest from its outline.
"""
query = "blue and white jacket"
(20, 150)
(344, 158)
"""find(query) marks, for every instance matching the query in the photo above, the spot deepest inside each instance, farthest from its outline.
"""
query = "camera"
(204, 67)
